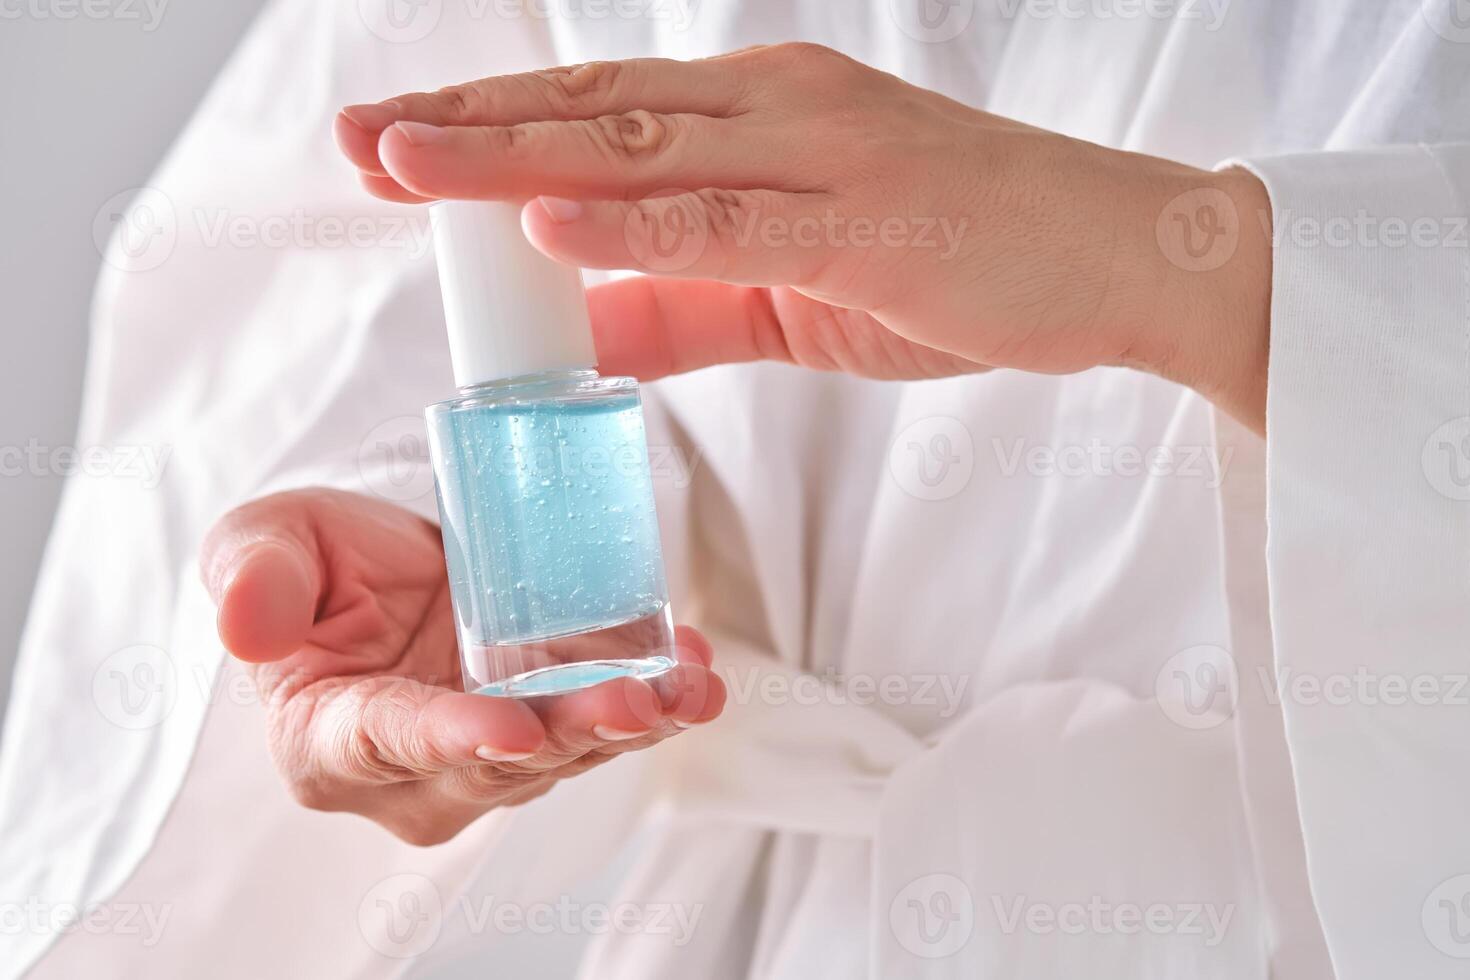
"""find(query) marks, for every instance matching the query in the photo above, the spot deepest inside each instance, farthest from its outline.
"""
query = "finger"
(690, 646)
(648, 327)
(599, 88)
(749, 237)
(388, 729)
(581, 732)
(356, 130)
(389, 190)
(626, 155)
(261, 565)
(713, 87)
(611, 712)
(690, 694)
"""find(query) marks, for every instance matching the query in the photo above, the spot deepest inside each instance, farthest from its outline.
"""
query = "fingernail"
(560, 210)
(494, 755)
(373, 116)
(614, 734)
(422, 134)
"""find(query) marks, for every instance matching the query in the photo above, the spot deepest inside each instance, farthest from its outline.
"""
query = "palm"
(341, 605)
(383, 623)
(385, 604)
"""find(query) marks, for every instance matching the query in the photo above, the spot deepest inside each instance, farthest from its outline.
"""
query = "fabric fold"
(1368, 555)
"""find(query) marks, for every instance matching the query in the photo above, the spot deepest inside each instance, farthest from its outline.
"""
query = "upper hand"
(804, 207)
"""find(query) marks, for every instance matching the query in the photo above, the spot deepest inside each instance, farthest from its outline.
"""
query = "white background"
(88, 106)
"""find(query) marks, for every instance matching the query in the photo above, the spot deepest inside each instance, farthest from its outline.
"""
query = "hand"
(837, 217)
(341, 605)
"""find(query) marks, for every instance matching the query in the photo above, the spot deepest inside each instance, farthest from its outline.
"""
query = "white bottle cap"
(510, 310)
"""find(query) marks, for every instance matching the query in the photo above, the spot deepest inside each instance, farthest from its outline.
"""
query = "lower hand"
(340, 604)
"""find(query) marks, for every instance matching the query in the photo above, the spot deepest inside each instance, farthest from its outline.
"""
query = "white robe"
(1061, 750)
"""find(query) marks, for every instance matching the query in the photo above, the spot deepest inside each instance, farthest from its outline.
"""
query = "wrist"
(1212, 320)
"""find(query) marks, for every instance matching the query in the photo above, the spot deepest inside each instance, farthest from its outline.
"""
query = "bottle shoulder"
(570, 388)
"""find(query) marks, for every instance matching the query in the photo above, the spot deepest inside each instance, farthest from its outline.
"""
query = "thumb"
(261, 565)
(649, 327)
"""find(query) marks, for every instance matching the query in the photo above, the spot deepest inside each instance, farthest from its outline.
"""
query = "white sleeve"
(1368, 555)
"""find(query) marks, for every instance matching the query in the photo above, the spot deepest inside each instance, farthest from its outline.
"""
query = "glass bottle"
(541, 470)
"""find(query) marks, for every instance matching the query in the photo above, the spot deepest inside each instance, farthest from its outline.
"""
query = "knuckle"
(632, 135)
(578, 84)
(361, 760)
(827, 76)
(509, 141)
(726, 213)
(389, 716)
(808, 56)
(462, 102)
(477, 784)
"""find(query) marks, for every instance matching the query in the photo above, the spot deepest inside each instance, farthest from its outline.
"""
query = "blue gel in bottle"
(541, 468)
(550, 533)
